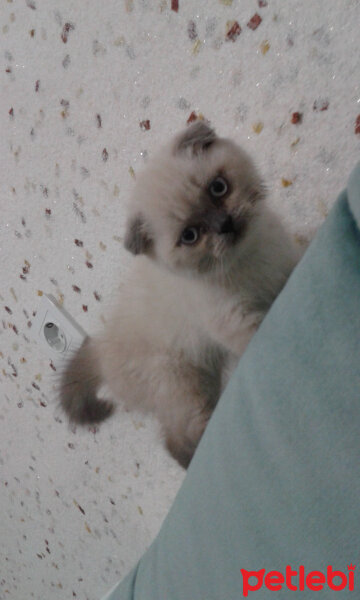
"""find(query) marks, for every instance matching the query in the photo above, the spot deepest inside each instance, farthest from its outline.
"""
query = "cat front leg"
(183, 436)
(234, 330)
(184, 403)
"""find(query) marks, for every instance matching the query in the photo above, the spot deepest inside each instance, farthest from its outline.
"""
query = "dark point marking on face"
(256, 192)
(138, 239)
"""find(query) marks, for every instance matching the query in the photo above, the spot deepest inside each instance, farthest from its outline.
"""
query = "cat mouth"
(225, 244)
(230, 229)
(235, 233)
(229, 240)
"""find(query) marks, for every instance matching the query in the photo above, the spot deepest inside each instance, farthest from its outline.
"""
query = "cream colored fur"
(187, 312)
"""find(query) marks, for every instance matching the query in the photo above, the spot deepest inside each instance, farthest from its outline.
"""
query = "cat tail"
(79, 385)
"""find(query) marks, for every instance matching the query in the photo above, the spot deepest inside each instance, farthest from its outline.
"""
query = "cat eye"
(218, 187)
(190, 235)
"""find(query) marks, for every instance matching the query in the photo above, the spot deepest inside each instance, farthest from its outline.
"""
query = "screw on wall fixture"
(56, 331)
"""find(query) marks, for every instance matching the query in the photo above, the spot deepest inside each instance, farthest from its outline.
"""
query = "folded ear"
(138, 239)
(196, 138)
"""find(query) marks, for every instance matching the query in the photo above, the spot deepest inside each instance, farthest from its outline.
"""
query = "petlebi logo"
(298, 580)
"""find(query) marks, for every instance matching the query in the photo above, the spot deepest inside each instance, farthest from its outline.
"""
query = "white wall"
(77, 508)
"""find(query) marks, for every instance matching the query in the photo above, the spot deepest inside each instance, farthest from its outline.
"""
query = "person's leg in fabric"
(275, 481)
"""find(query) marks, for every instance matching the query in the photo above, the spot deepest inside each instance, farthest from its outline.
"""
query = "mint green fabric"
(276, 478)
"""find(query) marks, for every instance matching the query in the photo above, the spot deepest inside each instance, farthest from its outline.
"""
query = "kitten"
(210, 260)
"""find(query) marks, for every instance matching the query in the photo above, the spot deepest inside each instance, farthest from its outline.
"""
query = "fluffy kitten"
(210, 259)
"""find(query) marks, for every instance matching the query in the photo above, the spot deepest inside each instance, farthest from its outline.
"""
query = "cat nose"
(227, 226)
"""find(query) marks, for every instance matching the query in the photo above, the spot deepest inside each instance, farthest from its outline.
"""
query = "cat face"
(194, 204)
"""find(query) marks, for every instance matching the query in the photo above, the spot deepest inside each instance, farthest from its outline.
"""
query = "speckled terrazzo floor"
(88, 89)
